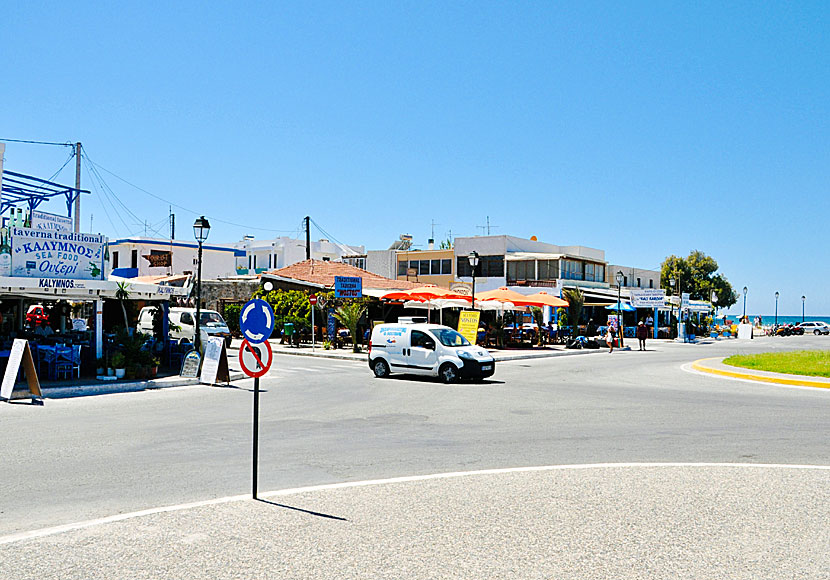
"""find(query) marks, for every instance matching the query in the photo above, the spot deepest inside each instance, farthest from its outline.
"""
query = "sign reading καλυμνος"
(56, 254)
(348, 287)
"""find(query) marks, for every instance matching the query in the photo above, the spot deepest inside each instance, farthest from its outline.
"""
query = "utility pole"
(307, 238)
(78, 187)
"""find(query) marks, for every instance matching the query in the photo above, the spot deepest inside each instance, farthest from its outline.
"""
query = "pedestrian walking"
(642, 334)
(609, 338)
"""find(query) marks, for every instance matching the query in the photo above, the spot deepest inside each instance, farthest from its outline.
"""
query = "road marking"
(19, 537)
(749, 376)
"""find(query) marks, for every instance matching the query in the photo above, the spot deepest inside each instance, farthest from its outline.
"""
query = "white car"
(427, 349)
(815, 327)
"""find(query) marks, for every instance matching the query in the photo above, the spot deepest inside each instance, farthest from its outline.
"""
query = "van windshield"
(208, 318)
(449, 337)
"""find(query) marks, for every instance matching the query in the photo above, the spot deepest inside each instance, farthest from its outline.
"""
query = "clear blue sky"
(644, 129)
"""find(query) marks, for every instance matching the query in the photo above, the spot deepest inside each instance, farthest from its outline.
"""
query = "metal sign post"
(313, 301)
(256, 322)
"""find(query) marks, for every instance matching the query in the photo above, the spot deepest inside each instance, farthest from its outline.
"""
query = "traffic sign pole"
(256, 438)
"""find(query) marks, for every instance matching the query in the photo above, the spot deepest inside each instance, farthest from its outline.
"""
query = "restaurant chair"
(63, 362)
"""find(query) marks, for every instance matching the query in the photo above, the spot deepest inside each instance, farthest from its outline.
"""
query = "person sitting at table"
(44, 330)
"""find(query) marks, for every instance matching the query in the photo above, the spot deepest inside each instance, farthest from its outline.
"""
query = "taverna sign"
(57, 254)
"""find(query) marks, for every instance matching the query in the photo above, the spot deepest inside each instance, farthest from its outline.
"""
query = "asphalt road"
(325, 421)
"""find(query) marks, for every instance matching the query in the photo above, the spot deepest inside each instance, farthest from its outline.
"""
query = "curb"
(132, 387)
(498, 358)
(775, 378)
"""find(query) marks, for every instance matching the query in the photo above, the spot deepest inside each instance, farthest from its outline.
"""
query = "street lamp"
(474, 259)
(803, 298)
(619, 306)
(744, 301)
(201, 230)
(776, 308)
(671, 324)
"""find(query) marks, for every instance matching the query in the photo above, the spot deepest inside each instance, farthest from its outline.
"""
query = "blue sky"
(644, 129)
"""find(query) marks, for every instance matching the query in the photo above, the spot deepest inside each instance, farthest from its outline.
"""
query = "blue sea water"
(770, 318)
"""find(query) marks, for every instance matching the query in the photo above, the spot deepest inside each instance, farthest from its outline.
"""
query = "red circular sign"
(312, 299)
(255, 362)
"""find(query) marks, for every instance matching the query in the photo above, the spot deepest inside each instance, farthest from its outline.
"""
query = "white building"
(257, 256)
(633, 277)
(132, 257)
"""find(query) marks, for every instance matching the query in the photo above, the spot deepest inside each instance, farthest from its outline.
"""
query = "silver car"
(815, 327)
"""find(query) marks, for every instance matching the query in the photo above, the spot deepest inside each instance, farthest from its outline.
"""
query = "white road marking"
(19, 537)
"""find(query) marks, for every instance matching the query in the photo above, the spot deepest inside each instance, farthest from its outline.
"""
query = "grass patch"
(812, 363)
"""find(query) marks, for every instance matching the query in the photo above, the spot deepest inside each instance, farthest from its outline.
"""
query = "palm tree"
(575, 299)
(350, 314)
(122, 294)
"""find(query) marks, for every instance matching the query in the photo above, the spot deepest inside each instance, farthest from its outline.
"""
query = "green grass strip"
(812, 363)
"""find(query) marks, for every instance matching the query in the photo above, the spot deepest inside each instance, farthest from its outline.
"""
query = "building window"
(435, 267)
(625, 281)
(254, 261)
(599, 273)
(134, 259)
(589, 272)
(446, 266)
(572, 270)
(639, 284)
(423, 267)
(115, 259)
(488, 267)
(249, 262)
(402, 268)
(650, 283)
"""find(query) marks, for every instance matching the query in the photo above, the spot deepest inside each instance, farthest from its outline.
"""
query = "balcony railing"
(532, 283)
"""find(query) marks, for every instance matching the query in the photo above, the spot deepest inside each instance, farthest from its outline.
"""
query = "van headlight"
(465, 355)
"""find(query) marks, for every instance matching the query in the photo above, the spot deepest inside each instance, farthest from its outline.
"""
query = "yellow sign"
(468, 324)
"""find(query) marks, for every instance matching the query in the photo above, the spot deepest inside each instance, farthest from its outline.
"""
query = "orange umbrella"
(505, 294)
(545, 299)
(424, 293)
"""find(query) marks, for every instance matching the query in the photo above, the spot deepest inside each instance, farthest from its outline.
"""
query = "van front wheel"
(381, 369)
(448, 373)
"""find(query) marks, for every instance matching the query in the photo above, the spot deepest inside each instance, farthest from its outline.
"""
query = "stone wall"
(217, 293)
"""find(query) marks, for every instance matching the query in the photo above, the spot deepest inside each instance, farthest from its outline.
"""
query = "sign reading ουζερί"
(348, 286)
(648, 298)
(256, 320)
(56, 254)
(468, 324)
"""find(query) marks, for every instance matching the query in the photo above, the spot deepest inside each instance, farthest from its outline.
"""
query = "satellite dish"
(533, 238)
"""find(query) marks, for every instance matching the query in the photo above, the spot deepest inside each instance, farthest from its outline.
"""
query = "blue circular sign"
(256, 321)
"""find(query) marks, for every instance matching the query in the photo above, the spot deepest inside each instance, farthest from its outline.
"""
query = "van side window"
(187, 318)
(421, 339)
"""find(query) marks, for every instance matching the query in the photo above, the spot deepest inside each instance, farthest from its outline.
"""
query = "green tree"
(697, 275)
(537, 318)
(576, 299)
(350, 314)
(290, 306)
(122, 294)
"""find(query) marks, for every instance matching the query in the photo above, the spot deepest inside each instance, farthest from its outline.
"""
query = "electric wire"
(67, 144)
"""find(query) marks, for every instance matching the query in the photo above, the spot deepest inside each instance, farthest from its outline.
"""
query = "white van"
(427, 349)
(211, 324)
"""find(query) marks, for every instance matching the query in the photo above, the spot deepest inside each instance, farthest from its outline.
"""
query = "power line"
(67, 144)
(167, 201)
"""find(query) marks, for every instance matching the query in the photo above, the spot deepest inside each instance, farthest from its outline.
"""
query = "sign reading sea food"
(56, 254)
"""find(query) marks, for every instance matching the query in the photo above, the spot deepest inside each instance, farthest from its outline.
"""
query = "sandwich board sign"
(215, 365)
(21, 353)
(468, 324)
(190, 365)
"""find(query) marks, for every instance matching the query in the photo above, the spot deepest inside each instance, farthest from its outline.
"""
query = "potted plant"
(100, 364)
(119, 362)
(154, 368)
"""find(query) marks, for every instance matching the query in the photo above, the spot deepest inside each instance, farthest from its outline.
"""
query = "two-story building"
(258, 256)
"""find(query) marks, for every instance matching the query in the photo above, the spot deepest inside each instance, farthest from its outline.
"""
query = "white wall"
(217, 261)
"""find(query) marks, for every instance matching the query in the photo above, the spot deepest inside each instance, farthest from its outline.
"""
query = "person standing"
(642, 334)
(610, 335)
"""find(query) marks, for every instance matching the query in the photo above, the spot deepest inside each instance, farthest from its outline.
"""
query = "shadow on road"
(288, 507)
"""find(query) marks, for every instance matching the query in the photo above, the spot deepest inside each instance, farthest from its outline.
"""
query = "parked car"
(815, 327)
(36, 314)
(183, 324)
(427, 349)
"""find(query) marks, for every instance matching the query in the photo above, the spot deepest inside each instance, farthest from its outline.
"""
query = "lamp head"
(474, 259)
(777, 295)
(201, 229)
(745, 289)
(619, 278)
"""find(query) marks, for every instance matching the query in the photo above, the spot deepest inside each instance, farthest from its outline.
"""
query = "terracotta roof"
(323, 273)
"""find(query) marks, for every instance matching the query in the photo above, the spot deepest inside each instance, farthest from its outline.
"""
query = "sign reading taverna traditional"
(49, 221)
(56, 254)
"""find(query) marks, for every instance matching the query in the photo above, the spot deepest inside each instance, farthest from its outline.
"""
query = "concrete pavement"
(588, 522)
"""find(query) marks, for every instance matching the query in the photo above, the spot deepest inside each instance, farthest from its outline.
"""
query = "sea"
(770, 318)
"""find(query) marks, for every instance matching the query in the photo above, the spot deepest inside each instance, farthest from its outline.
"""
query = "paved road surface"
(327, 421)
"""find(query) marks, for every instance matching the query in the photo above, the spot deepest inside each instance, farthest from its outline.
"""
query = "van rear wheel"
(448, 373)
(381, 369)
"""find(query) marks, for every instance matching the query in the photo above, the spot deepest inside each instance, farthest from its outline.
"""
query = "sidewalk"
(715, 366)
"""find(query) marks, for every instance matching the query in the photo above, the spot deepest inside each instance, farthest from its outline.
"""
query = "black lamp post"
(474, 259)
(745, 290)
(201, 229)
(776, 308)
(803, 298)
(619, 306)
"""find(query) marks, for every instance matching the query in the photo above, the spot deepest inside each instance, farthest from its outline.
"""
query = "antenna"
(487, 227)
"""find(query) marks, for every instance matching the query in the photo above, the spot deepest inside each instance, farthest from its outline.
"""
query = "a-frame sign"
(21, 354)
(215, 364)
